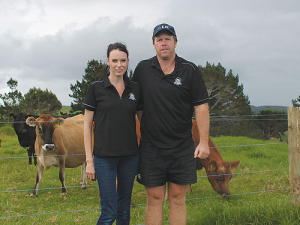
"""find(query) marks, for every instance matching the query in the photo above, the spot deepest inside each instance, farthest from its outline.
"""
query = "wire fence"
(232, 117)
(245, 117)
(142, 204)
(206, 176)
(54, 155)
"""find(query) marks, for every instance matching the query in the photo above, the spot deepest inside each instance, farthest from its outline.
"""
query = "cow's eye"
(39, 129)
(220, 177)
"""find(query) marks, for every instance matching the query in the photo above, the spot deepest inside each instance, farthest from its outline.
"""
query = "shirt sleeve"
(90, 100)
(140, 104)
(135, 78)
(199, 93)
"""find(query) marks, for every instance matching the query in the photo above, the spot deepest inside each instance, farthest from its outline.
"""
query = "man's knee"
(155, 195)
(177, 192)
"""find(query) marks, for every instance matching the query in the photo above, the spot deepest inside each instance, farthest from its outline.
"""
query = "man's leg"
(155, 201)
(177, 213)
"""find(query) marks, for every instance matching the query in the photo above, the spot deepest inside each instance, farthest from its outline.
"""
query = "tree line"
(35, 102)
(229, 107)
(230, 110)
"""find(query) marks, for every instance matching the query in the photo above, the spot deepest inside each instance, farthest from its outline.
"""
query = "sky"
(47, 44)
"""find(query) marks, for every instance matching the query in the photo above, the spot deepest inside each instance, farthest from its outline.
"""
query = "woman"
(112, 103)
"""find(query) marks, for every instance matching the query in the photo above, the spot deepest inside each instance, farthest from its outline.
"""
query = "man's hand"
(202, 151)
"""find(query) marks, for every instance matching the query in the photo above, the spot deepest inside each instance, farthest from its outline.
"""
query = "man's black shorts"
(160, 165)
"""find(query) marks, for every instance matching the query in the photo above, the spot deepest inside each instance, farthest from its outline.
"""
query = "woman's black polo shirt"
(115, 129)
(168, 100)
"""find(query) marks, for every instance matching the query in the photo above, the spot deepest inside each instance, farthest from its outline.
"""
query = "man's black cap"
(162, 27)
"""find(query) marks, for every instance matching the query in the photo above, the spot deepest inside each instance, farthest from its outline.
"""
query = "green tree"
(95, 71)
(130, 74)
(271, 123)
(296, 102)
(227, 102)
(225, 93)
(37, 102)
(11, 99)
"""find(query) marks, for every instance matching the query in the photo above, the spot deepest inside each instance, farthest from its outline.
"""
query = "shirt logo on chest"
(177, 81)
(132, 96)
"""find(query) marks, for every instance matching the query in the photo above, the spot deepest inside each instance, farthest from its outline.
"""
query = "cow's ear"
(58, 121)
(30, 121)
(12, 116)
(212, 166)
(234, 164)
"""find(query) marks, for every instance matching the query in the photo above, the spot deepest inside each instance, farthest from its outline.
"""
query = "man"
(172, 89)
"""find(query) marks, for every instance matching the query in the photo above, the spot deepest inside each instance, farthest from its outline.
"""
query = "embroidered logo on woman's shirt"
(131, 96)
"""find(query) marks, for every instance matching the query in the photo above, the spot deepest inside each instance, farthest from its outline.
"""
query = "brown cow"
(59, 142)
(218, 171)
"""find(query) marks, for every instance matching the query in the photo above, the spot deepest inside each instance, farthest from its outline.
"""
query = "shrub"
(7, 130)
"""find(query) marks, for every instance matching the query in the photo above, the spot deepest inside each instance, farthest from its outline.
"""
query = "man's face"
(164, 45)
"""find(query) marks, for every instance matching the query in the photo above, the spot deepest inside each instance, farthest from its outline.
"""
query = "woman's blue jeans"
(115, 202)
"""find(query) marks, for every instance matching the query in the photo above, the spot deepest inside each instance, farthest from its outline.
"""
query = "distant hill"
(257, 109)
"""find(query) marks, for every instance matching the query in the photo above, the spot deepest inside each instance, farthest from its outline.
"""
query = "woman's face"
(117, 62)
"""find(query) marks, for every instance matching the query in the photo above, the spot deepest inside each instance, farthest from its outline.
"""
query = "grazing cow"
(218, 171)
(59, 142)
(26, 135)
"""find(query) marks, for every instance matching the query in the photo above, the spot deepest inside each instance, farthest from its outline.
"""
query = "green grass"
(247, 205)
(65, 109)
(7, 130)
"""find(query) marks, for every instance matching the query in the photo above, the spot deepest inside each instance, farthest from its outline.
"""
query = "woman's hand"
(90, 170)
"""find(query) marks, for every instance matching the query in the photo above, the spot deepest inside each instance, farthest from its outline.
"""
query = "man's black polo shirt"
(169, 100)
(115, 129)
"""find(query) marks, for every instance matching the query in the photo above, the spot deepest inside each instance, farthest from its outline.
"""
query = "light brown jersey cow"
(218, 171)
(59, 142)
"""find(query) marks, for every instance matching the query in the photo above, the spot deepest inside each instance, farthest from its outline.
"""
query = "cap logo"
(164, 26)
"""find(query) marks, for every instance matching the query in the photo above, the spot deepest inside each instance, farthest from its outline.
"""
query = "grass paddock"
(259, 187)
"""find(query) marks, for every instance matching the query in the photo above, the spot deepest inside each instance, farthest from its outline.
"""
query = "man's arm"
(139, 115)
(202, 119)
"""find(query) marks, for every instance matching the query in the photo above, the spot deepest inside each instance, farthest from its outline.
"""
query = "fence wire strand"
(204, 176)
(256, 117)
(141, 204)
(225, 146)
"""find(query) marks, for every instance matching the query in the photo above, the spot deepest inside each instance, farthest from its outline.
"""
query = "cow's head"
(19, 122)
(45, 126)
(219, 174)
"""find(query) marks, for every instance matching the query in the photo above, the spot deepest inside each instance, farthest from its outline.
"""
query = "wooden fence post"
(294, 154)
